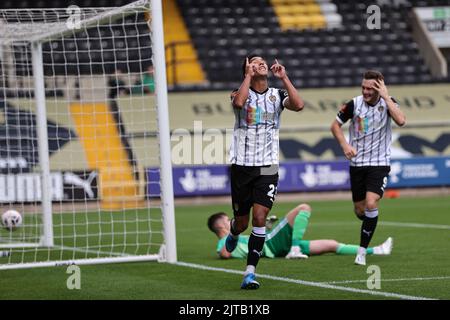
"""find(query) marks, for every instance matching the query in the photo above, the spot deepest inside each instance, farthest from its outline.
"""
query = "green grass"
(420, 251)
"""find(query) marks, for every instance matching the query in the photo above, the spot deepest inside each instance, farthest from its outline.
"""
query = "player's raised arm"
(238, 98)
(294, 101)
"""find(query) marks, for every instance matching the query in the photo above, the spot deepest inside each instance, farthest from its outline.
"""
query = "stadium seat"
(333, 20)
(229, 32)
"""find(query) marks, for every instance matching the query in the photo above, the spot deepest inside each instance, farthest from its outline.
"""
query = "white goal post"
(85, 137)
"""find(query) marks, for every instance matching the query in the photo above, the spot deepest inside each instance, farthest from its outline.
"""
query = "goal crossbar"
(42, 32)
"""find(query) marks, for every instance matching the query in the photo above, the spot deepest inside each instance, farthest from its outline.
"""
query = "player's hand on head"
(278, 70)
(380, 87)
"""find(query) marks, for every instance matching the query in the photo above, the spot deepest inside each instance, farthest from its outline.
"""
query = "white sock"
(259, 231)
(250, 269)
(377, 250)
(362, 250)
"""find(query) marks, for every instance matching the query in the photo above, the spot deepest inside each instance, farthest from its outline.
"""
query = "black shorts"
(250, 185)
(363, 179)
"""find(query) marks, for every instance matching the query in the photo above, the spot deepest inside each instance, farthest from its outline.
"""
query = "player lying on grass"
(286, 238)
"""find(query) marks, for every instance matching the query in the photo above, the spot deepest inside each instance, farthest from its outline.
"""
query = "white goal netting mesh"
(101, 122)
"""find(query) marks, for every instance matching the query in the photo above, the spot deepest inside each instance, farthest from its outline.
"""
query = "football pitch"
(417, 269)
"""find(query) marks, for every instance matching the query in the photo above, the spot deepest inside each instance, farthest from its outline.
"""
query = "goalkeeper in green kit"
(286, 238)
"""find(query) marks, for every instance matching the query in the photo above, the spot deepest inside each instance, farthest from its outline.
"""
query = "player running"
(368, 149)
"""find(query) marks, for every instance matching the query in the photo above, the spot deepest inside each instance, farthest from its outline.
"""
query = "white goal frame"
(168, 250)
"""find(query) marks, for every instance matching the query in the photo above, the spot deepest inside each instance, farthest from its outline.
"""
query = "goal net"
(84, 133)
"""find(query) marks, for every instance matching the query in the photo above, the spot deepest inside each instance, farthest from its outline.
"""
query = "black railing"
(171, 65)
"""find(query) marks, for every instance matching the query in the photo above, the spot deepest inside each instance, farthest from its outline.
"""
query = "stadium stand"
(303, 14)
(331, 47)
(183, 66)
(324, 57)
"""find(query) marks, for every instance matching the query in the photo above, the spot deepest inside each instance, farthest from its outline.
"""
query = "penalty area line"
(389, 280)
(415, 225)
(387, 223)
(307, 283)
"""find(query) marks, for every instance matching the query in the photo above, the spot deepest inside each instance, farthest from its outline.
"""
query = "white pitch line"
(388, 280)
(307, 283)
(387, 223)
(415, 225)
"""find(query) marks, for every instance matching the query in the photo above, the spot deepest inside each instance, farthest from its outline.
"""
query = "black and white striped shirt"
(256, 130)
(370, 131)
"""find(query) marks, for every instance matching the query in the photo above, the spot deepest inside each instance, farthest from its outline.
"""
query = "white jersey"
(370, 131)
(256, 130)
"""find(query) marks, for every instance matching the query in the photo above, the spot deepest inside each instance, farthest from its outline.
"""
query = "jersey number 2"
(272, 192)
